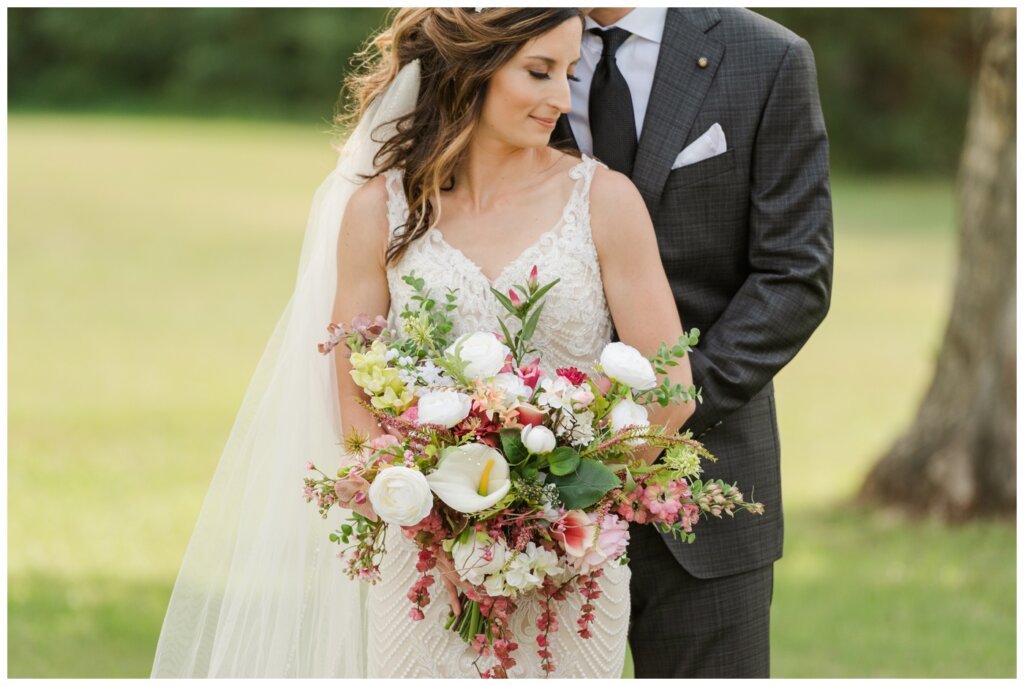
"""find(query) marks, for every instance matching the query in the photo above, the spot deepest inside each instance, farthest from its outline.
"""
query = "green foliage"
(563, 461)
(512, 446)
(527, 312)
(894, 82)
(214, 60)
(586, 485)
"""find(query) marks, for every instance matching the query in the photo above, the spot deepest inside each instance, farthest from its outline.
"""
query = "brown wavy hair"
(459, 50)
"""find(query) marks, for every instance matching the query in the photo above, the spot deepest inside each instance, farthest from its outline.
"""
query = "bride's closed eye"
(544, 77)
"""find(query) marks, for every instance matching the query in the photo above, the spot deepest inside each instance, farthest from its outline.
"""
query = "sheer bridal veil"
(261, 591)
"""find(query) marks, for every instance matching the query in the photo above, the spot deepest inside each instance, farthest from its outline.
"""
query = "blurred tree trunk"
(958, 458)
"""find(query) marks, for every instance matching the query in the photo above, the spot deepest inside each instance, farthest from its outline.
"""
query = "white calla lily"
(470, 478)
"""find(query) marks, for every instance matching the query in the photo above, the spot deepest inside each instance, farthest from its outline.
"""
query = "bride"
(448, 175)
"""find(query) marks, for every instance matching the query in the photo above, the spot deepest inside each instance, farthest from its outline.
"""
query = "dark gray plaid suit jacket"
(746, 240)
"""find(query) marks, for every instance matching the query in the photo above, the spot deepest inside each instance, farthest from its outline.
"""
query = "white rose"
(539, 440)
(400, 495)
(483, 352)
(469, 561)
(512, 386)
(628, 413)
(625, 364)
(446, 408)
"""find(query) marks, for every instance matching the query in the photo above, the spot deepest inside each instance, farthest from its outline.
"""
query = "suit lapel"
(679, 87)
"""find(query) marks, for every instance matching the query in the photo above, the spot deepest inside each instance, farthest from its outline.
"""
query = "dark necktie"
(611, 107)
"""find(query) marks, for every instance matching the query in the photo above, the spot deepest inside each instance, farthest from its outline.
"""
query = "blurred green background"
(161, 164)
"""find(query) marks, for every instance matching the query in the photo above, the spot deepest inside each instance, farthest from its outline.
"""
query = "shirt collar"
(646, 22)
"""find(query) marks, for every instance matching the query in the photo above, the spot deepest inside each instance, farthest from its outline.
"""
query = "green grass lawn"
(149, 259)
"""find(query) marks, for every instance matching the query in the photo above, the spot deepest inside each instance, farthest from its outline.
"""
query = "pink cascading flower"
(352, 494)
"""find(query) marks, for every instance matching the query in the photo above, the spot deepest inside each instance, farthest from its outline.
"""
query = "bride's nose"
(561, 99)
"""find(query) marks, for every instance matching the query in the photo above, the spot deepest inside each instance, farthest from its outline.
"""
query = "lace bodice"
(575, 324)
(573, 329)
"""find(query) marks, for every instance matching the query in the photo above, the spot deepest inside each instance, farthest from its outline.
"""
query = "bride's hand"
(452, 582)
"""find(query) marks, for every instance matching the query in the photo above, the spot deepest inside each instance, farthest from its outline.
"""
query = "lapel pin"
(702, 62)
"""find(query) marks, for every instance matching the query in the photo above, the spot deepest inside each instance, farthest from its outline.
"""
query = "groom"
(714, 114)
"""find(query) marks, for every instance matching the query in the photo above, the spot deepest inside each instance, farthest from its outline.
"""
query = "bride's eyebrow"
(549, 61)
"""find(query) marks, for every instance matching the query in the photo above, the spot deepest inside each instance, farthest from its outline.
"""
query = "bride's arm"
(362, 288)
(635, 285)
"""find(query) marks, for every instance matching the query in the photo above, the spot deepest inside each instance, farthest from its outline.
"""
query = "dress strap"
(398, 205)
(584, 173)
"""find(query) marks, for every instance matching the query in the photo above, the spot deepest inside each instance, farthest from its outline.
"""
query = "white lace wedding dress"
(574, 327)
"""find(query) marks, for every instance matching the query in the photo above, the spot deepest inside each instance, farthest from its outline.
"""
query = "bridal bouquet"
(523, 482)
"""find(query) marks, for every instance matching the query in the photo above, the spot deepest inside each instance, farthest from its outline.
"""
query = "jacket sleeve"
(788, 290)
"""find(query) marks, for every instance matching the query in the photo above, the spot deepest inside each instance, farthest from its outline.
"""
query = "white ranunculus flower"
(628, 413)
(469, 559)
(539, 440)
(470, 477)
(483, 352)
(446, 408)
(512, 386)
(625, 364)
(400, 495)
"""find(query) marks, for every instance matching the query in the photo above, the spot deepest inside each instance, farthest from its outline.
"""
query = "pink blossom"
(351, 492)
(383, 442)
(575, 531)
(412, 414)
(612, 539)
(530, 415)
(514, 297)
(533, 277)
(572, 375)
(530, 374)
(582, 399)
(603, 383)
(663, 503)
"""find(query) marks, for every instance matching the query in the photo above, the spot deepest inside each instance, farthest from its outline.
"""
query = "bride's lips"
(547, 123)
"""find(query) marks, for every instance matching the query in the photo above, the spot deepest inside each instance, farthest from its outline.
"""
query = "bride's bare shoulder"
(365, 224)
(368, 204)
(616, 205)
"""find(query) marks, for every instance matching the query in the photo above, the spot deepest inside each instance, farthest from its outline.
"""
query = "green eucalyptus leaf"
(585, 486)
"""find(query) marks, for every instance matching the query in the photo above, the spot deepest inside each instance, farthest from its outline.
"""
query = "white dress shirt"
(636, 58)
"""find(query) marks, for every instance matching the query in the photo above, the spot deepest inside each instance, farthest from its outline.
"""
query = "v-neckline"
(511, 263)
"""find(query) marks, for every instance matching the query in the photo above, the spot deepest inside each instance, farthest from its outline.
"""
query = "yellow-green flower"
(382, 383)
(683, 458)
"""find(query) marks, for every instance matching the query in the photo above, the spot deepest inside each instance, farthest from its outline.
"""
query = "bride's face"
(528, 94)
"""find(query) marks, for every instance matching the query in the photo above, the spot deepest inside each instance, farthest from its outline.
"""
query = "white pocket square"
(710, 144)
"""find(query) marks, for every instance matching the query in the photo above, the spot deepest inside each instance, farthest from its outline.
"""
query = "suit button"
(702, 62)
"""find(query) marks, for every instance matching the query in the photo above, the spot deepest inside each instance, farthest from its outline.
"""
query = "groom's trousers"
(685, 627)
